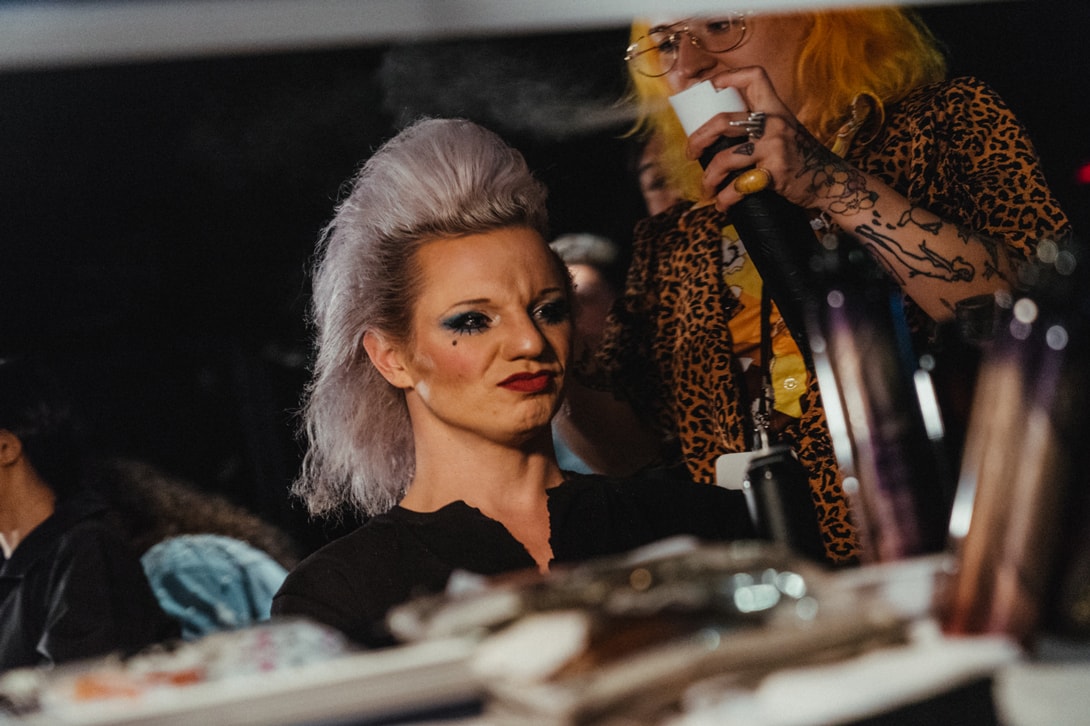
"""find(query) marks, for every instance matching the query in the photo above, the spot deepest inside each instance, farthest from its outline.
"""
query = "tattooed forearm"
(921, 251)
(925, 262)
(915, 217)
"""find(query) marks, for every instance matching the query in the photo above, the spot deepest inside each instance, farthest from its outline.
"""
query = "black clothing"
(73, 589)
(351, 583)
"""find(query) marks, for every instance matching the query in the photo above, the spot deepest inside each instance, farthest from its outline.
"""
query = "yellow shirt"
(788, 371)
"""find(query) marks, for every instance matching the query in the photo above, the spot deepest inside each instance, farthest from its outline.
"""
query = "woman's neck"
(490, 478)
(507, 484)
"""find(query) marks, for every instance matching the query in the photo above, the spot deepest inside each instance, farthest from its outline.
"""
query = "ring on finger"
(753, 125)
(752, 181)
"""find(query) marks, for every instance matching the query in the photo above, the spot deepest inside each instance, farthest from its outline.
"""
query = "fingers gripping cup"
(776, 233)
(698, 103)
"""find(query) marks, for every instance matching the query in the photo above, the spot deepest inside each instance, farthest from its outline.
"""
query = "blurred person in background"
(655, 185)
(71, 587)
(596, 266)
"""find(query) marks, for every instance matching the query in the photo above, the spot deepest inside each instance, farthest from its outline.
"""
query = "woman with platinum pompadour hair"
(360, 442)
(445, 330)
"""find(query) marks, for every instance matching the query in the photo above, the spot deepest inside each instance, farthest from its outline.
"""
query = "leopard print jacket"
(953, 147)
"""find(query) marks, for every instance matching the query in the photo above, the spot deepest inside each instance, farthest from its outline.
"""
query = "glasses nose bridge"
(676, 41)
(678, 50)
(678, 31)
(694, 39)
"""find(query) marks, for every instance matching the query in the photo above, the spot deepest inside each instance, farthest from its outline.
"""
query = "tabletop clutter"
(755, 632)
(679, 632)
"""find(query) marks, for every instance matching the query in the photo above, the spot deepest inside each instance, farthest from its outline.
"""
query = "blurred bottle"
(886, 428)
(1021, 493)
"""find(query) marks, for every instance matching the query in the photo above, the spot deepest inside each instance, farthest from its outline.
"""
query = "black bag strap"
(766, 395)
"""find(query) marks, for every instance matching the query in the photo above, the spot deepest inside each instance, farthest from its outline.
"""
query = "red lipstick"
(528, 382)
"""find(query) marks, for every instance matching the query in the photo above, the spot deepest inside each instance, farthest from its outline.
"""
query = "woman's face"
(491, 336)
(771, 41)
(658, 196)
(594, 296)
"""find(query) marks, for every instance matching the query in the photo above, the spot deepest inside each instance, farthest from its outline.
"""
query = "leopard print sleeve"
(956, 149)
(623, 362)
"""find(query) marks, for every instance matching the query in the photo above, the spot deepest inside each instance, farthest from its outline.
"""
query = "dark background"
(157, 218)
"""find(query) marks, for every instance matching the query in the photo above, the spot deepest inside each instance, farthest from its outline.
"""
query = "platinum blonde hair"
(438, 178)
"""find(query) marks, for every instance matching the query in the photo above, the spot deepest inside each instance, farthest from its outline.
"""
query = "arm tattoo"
(926, 262)
(923, 259)
(991, 247)
(831, 178)
(930, 227)
(843, 190)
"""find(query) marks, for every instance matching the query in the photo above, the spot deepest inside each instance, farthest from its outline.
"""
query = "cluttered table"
(682, 633)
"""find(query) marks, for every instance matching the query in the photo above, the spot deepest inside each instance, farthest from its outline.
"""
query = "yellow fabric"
(789, 377)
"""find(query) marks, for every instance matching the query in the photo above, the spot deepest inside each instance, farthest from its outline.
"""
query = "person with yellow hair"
(849, 116)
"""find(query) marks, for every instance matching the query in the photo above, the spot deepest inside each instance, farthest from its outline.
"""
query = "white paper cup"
(696, 104)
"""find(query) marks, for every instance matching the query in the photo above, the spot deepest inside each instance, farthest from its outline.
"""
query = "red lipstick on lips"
(528, 382)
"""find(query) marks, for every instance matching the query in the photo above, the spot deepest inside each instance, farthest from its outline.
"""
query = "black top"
(74, 589)
(351, 583)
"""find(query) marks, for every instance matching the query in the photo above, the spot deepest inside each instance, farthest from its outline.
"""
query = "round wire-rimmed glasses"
(655, 54)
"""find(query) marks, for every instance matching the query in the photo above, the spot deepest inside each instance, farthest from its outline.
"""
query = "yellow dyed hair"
(879, 52)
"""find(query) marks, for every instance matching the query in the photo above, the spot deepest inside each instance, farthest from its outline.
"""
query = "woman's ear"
(387, 359)
(11, 448)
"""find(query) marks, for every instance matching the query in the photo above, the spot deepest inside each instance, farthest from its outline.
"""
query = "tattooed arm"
(966, 246)
(935, 261)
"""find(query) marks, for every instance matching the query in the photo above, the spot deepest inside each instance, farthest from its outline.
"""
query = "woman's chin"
(532, 434)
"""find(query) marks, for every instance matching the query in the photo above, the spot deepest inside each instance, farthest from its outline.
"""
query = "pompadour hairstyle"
(438, 178)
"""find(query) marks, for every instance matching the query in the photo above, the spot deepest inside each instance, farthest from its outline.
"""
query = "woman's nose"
(525, 339)
(692, 64)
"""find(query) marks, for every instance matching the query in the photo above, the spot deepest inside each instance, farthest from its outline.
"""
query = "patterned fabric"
(953, 148)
